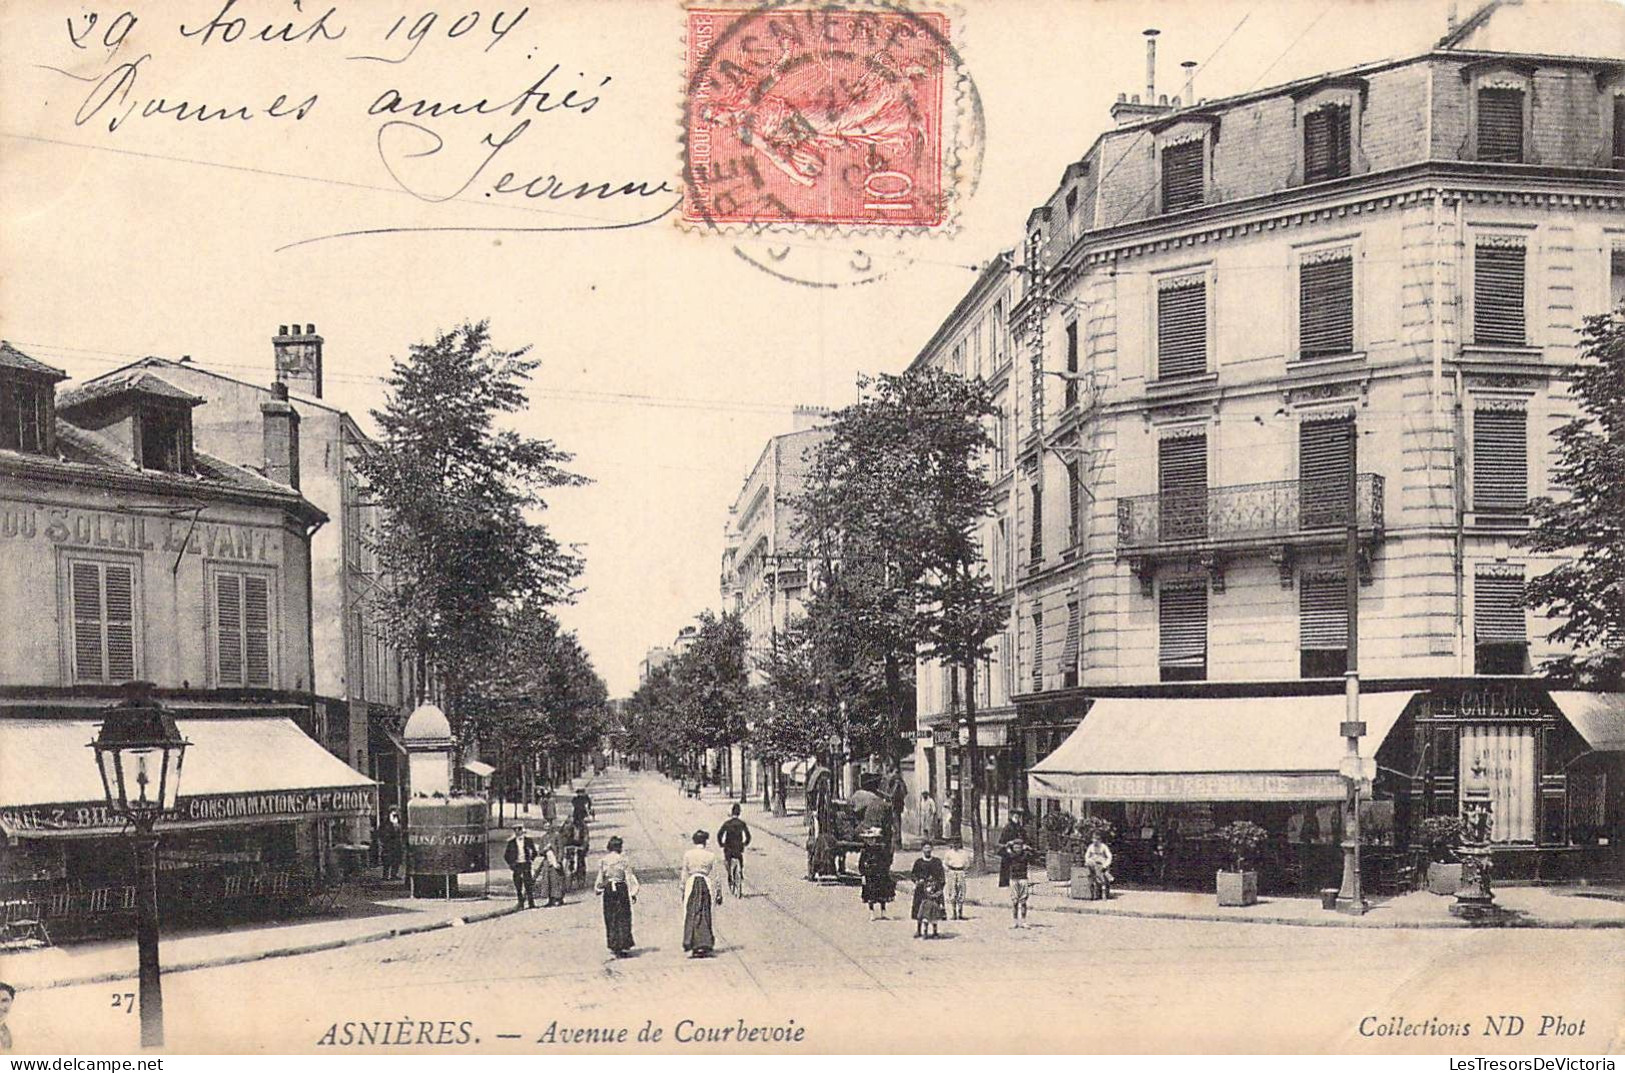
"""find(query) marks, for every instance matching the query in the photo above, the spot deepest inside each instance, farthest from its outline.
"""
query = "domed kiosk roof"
(427, 725)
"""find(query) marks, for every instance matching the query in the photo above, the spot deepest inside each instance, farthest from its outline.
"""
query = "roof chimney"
(281, 437)
(1189, 67)
(299, 358)
(1151, 65)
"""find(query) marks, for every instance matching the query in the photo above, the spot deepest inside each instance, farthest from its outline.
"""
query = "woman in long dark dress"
(879, 888)
(702, 892)
(617, 884)
(929, 880)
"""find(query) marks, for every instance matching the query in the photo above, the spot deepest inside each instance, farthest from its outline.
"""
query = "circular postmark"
(826, 142)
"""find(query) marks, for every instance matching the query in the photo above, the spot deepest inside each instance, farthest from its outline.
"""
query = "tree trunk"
(779, 807)
(974, 758)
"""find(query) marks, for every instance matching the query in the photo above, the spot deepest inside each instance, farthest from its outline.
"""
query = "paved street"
(792, 950)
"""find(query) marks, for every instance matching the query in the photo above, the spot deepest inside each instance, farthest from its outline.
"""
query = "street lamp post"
(139, 752)
(1351, 895)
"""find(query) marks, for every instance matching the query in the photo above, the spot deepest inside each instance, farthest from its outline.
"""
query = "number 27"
(126, 1000)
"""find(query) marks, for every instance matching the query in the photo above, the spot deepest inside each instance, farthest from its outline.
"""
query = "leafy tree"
(711, 679)
(1587, 590)
(461, 540)
(892, 506)
(795, 713)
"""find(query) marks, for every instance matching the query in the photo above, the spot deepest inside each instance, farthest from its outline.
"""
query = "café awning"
(1599, 717)
(1212, 748)
(479, 767)
(237, 771)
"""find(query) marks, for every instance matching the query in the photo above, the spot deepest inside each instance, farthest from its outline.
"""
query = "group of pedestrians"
(559, 857)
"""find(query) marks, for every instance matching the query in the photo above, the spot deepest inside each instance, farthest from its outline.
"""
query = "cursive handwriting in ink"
(548, 186)
(535, 98)
(112, 91)
(464, 24)
(234, 28)
(112, 37)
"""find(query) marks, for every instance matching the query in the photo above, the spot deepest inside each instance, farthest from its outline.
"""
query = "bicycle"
(736, 876)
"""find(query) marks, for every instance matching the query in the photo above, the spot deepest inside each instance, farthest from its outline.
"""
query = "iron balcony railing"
(1241, 514)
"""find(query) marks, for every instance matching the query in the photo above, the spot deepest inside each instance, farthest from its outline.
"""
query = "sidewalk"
(1532, 907)
(366, 912)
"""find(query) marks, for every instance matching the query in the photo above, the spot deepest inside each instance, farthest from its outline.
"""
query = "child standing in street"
(1015, 856)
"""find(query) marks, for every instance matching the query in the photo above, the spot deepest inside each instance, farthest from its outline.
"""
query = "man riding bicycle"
(733, 836)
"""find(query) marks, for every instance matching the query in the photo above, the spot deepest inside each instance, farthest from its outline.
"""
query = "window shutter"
(1500, 460)
(1500, 125)
(1324, 458)
(1071, 363)
(1182, 329)
(1323, 614)
(229, 628)
(1498, 613)
(1038, 651)
(85, 583)
(1498, 284)
(1069, 653)
(1619, 132)
(1326, 143)
(1035, 548)
(257, 631)
(1182, 625)
(1182, 176)
(10, 434)
(120, 603)
(1074, 494)
(1326, 308)
(1182, 487)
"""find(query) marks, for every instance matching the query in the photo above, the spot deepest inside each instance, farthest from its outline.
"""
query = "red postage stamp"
(816, 116)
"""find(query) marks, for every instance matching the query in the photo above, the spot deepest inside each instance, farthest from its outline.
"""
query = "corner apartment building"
(1245, 319)
(130, 554)
(365, 686)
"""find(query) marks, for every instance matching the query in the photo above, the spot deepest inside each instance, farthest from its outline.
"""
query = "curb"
(1331, 922)
(1291, 922)
(280, 951)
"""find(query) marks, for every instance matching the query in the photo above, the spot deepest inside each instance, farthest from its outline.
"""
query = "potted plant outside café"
(1440, 835)
(1057, 853)
(1241, 840)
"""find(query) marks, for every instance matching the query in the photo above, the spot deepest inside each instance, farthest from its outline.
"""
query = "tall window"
(1071, 364)
(1182, 632)
(1074, 505)
(1326, 143)
(1506, 754)
(1323, 626)
(1619, 132)
(1500, 640)
(1616, 277)
(242, 607)
(1326, 305)
(1498, 291)
(102, 595)
(1182, 176)
(25, 414)
(1182, 487)
(1038, 650)
(1500, 459)
(1325, 458)
(1069, 653)
(997, 343)
(1182, 328)
(1035, 541)
(1500, 125)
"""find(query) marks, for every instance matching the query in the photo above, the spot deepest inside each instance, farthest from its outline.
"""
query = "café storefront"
(261, 810)
(1169, 771)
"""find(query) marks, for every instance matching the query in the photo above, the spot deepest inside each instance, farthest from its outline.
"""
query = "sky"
(667, 357)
